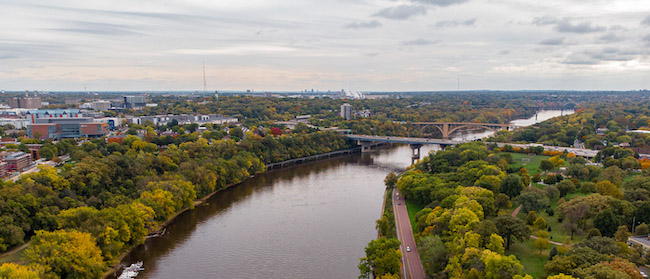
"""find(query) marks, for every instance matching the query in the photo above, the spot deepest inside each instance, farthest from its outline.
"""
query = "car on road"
(399, 203)
(408, 249)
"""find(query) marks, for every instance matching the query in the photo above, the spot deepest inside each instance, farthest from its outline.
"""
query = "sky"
(358, 45)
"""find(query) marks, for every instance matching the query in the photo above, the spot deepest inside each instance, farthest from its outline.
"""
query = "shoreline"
(113, 270)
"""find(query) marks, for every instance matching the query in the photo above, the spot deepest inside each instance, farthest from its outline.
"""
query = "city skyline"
(357, 45)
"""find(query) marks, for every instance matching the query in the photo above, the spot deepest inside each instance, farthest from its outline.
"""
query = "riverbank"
(114, 270)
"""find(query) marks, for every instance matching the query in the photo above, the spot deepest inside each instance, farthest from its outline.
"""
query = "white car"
(408, 249)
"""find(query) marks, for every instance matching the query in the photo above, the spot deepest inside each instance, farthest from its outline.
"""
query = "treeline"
(464, 230)
(116, 193)
(613, 118)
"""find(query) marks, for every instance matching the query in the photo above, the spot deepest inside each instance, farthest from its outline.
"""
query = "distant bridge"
(367, 142)
(447, 128)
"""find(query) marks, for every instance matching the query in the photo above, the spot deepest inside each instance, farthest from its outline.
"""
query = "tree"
(502, 201)
(607, 188)
(613, 174)
(540, 223)
(382, 257)
(593, 232)
(531, 217)
(511, 186)
(622, 234)
(566, 187)
(69, 254)
(552, 253)
(546, 165)
(390, 180)
(511, 228)
(606, 222)
(532, 201)
(433, 254)
(541, 244)
(641, 229)
(11, 270)
(561, 276)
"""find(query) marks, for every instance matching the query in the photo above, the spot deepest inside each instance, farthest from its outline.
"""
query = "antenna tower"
(205, 84)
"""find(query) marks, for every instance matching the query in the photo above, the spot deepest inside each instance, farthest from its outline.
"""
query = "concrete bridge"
(447, 128)
(367, 142)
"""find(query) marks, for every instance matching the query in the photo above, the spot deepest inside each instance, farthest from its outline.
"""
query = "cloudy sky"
(324, 44)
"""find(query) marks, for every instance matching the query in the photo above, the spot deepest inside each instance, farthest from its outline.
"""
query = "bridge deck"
(403, 140)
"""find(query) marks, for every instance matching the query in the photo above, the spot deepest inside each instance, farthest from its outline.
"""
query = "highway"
(411, 260)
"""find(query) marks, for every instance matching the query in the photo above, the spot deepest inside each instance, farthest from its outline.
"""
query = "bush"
(550, 179)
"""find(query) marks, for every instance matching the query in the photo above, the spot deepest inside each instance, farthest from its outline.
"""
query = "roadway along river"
(308, 221)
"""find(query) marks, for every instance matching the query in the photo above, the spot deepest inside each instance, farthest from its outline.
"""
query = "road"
(411, 260)
(577, 151)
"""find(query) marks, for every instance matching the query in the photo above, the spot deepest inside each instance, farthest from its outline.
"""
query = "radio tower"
(205, 84)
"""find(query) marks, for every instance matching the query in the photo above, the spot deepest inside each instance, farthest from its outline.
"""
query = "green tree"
(511, 186)
(382, 257)
(606, 222)
(622, 234)
(641, 229)
(511, 228)
(69, 254)
(531, 217)
(532, 201)
(546, 165)
(613, 174)
(11, 270)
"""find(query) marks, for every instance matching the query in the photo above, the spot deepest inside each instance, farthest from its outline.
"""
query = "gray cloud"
(610, 38)
(401, 12)
(608, 54)
(646, 38)
(545, 20)
(646, 21)
(441, 3)
(420, 42)
(455, 23)
(565, 26)
(579, 59)
(363, 24)
(552, 41)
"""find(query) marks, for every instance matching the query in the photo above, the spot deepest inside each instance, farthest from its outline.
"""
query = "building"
(16, 160)
(184, 119)
(135, 101)
(100, 105)
(25, 102)
(643, 241)
(66, 127)
(3, 169)
(18, 123)
(346, 111)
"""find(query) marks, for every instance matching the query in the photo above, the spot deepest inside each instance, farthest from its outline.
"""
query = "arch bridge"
(447, 128)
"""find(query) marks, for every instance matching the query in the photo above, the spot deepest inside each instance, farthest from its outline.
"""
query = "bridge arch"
(432, 125)
(451, 131)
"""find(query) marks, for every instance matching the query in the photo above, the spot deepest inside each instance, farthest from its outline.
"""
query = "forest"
(114, 194)
(574, 223)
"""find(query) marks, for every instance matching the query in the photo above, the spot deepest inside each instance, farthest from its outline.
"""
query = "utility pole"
(205, 84)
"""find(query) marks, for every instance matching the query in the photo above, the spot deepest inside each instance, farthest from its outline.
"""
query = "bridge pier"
(415, 152)
(366, 146)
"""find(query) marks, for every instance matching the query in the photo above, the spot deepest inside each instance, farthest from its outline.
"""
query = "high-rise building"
(26, 102)
(100, 105)
(346, 111)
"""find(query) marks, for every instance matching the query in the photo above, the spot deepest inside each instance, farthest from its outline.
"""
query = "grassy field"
(530, 257)
(532, 166)
(412, 208)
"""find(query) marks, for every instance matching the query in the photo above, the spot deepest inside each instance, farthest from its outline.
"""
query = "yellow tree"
(69, 254)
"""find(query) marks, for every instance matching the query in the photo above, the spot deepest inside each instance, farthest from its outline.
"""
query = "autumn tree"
(69, 254)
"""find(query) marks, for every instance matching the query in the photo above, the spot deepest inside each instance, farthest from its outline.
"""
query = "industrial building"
(66, 127)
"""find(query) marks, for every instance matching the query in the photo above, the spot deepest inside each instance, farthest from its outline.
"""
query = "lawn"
(532, 166)
(412, 208)
(530, 257)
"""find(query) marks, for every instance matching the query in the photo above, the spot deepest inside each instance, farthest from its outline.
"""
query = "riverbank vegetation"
(575, 224)
(117, 193)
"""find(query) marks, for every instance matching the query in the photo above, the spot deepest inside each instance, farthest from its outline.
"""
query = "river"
(307, 221)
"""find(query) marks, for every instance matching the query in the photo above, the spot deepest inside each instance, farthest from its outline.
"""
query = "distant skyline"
(392, 45)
